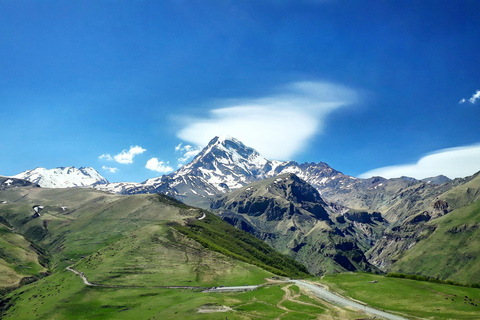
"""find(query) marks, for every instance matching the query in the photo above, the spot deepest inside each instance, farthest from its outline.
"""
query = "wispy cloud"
(278, 126)
(159, 166)
(473, 99)
(187, 151)
(452, 162)
(110, 169)
(126, 156)
(106, 156)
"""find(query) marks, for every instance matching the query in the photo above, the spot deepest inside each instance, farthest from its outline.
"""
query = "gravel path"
(333, 298)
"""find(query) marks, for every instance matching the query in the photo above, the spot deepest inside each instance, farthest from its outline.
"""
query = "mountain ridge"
(63, 177)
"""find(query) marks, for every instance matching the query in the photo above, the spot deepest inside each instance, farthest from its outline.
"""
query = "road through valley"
(333, 298)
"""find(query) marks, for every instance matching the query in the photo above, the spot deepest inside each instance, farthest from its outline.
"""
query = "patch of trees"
(431, 279)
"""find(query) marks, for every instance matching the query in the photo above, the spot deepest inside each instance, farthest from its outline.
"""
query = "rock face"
(418, 227)
(7, 182)
(292, 217)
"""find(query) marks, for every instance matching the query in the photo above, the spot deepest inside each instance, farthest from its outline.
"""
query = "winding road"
(317, 290)
(333, 298)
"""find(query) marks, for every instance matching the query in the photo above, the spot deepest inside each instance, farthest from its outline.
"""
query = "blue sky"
(360, 85)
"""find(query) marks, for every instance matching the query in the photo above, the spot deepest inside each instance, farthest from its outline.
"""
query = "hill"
(126, 242)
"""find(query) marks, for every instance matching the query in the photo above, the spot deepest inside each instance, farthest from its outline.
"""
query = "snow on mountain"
(117, 187)
(226, 164)
(63, 177)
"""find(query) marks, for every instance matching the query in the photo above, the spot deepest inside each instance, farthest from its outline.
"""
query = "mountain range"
(323, 218)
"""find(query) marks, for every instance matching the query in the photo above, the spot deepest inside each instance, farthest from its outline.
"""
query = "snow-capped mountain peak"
(225, 163)
(63, 177)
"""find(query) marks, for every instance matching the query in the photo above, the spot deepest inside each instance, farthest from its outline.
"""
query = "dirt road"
(333, 298)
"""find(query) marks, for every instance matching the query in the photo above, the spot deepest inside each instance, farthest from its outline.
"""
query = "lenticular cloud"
(278, 126)
(453, 163)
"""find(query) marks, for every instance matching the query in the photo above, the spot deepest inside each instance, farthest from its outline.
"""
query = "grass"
(408, 297)
(451, 252)
(124, 241)
(64, 296)
(157, 255)
(18, 259)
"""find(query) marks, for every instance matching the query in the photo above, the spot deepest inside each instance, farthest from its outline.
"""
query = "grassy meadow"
(410, 298)
(64, 296)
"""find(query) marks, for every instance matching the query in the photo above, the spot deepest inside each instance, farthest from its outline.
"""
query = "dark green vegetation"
(430, 279)
(410, 298)
(215, 234)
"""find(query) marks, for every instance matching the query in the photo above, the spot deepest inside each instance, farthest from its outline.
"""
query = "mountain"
(437, 180)
(63, 177)
(440, 241)
(291, 216)
(226, 164)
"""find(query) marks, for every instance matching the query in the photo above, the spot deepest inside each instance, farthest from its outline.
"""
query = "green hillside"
(20, 261)
(451, 252)
(126, 242)
(215, 234)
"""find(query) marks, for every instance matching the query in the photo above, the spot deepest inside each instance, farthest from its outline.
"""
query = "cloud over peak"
(278, 126)
(110, 169)
(452, 162)
(159, 166)
(187, 151)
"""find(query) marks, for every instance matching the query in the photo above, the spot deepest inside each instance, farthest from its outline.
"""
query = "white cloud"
(110, 169)
(474, 98)
(278, 126)
(452, 162)
(126, 157)
(106, 156)
(188, 152)
(159, 166)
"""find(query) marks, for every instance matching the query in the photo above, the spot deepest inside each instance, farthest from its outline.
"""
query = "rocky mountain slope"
(292, 217)
(8, 182)
(439, 241)
(63, 177)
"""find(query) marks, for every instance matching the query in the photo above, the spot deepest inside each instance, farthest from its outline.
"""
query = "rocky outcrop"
(292, 217)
